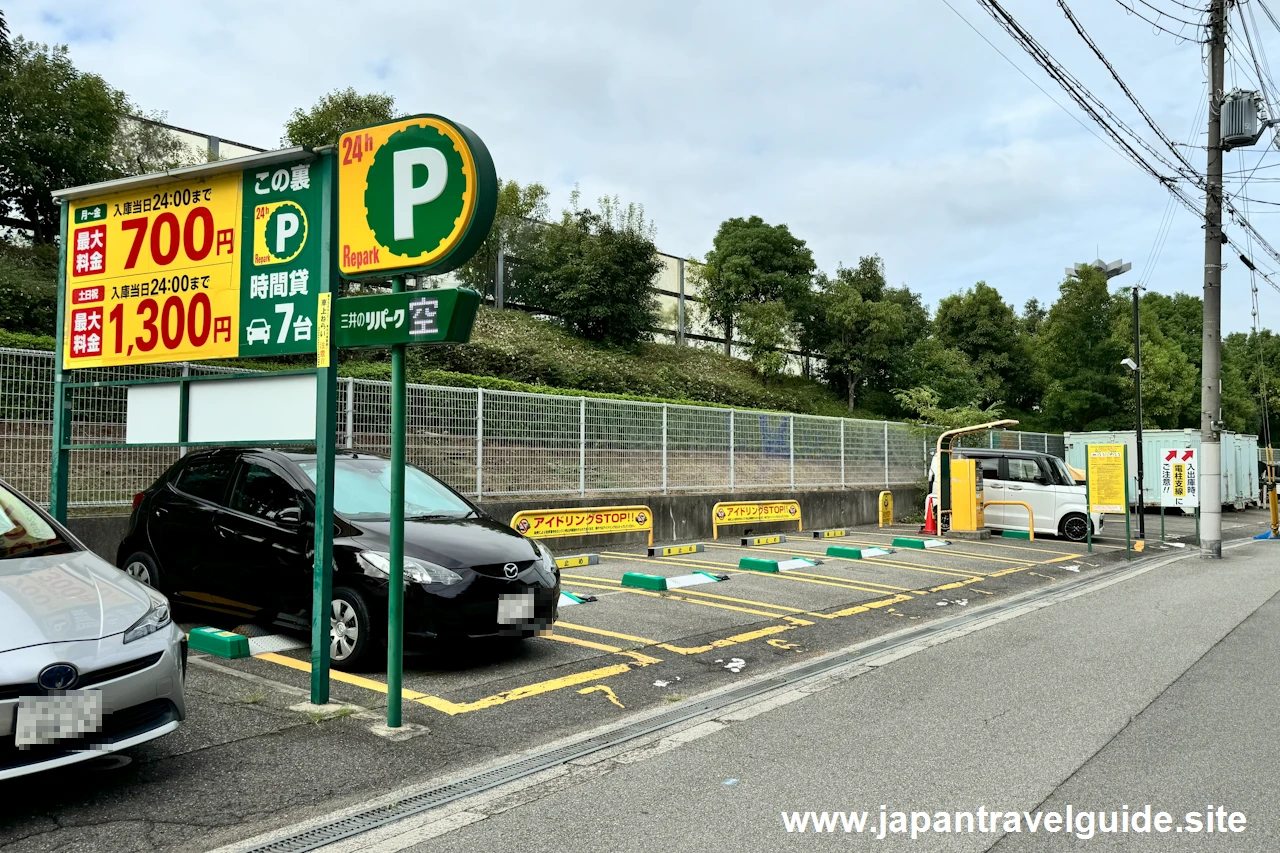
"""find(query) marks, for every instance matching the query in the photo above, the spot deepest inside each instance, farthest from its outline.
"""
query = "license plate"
(48, 719)
(514, 608)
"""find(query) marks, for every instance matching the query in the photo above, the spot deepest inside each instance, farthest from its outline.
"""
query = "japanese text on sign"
(1108, 490)
(153, 275)
(746, 512)
(583, 521)
(1179, 484)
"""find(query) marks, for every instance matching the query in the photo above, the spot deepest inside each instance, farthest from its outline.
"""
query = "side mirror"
(290, 515)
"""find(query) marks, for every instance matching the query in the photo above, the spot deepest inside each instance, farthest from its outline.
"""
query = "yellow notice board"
(583, 521)
(1106, 478)
(748, 512)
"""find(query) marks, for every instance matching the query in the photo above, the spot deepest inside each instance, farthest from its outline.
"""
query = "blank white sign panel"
(151, 416)
(268, 408)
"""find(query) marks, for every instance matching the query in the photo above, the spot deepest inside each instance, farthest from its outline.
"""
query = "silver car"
(90, 659)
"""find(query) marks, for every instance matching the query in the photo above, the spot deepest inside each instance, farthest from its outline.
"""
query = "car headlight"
(156, 617)
(415, 571)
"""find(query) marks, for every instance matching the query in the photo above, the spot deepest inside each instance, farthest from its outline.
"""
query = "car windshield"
(362, 491)
(1063, 474)
(24, 532)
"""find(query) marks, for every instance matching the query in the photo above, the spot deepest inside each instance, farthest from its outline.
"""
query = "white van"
(1040, 480)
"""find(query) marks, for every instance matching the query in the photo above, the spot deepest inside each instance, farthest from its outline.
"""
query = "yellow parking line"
(559, 638)
(684, 591)
(995, 544)
(631, 591)
(898, 564)
(335, 674)
(454, 708)
(803, 577)
(603, 633)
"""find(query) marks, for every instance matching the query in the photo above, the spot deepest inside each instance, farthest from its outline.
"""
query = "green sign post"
(245, 256)
(438, 316)
(415, 196)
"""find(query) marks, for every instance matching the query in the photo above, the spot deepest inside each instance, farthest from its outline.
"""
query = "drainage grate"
(328, 833)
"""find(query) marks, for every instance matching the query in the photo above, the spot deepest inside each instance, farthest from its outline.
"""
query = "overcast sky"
(867, 127)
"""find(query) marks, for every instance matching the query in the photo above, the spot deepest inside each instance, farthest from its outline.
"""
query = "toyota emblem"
(511, 570)
(58, 676)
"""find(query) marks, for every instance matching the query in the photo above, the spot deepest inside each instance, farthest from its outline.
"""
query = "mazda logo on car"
(58, 676)
(511, 570)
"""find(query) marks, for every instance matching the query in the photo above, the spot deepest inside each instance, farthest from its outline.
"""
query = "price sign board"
(416, 195)
(153, 275)
(1106, 478)
(1179, 478)
(215, 266)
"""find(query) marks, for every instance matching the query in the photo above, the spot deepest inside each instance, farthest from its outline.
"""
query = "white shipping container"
(1239, 460)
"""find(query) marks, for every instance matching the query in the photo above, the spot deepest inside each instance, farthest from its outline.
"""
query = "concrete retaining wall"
(676, 518)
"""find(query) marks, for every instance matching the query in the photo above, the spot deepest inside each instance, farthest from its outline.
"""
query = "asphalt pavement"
(1005, 715)
(1158, 690)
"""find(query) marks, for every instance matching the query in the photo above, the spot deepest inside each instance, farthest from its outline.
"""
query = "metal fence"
(496, 443)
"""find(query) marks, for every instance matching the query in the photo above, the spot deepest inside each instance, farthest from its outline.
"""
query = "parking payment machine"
(966, 495)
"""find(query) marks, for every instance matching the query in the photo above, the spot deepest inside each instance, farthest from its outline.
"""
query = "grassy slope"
(512, 351)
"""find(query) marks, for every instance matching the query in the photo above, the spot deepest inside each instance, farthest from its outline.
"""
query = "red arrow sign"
(1172, 454)
(1187, 454)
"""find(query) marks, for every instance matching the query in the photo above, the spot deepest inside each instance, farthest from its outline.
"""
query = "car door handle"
(1016, 488)
(160, 511)
(224, 532)
(994, 486)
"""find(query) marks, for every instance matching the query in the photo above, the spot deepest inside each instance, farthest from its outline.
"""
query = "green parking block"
(639, 580)
(1016, 534)
(844, 551)
(215, 641)
(754, 564)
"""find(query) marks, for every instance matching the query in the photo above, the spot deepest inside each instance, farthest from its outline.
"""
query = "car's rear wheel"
(141, 566)
(350, 629)
(1074, 527)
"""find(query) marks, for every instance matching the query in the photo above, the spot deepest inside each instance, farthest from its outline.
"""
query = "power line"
(1093, 46)
(1086, 100)
(1030, 80)
(1165, 14)
(1135, 12)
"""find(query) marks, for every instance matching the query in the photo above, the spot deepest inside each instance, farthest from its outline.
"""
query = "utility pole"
(1211, 359)
(1137, 381)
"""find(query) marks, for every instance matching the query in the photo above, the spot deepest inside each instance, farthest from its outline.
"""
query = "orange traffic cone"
(930, 524)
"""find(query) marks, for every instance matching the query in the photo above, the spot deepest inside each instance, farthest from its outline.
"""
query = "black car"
(230, 530)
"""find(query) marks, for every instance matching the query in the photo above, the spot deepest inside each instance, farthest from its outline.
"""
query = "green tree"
(1033, 314)
(752, 261)
(1081, 357)
(6, 47)
(862, 328)
(986, 329)
(517, 225)
(144, 145)
(28, 288)
(324, 122)
(766, 328)
(944, 370)
(1180, 318)
(926, 406)
(58, 129)
(1170, 384)
(595, 277)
